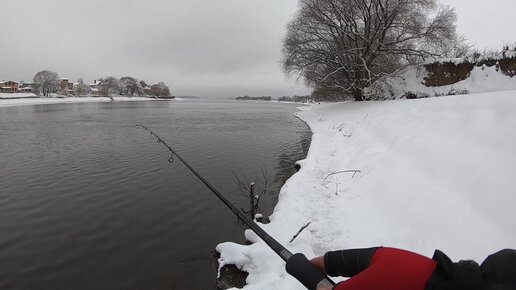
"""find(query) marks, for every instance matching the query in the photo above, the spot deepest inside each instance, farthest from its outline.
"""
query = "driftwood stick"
(344, 171)
(299, 232)
(252, 200)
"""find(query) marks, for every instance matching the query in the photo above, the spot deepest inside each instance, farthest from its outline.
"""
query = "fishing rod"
(297, 264)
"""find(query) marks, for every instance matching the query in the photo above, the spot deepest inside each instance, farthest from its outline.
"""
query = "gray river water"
(89, 201)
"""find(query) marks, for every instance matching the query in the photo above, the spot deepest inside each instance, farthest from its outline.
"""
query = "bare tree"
(46, 82)
(254, 189)
(109, 85)
(344, 46)
(143, 84)
(130, 86)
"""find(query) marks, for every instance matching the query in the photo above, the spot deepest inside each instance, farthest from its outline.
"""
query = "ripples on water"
(88, 201)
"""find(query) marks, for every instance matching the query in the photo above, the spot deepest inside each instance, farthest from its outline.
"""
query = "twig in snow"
(344, 171)
(345, 135)
(299, 232)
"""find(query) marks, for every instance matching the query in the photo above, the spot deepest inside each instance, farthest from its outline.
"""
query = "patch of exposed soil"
(443, 74)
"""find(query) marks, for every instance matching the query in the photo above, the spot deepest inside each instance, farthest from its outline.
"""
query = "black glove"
(305, 272)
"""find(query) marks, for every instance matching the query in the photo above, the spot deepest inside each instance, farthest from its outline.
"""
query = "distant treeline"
(296, 99)
(248, 98)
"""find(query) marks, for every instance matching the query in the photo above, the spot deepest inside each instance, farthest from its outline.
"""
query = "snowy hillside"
(435, 173)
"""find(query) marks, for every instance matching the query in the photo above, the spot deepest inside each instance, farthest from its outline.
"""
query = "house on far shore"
(11, 87)
(26, 88)
(8, 87)
(66, 87)
(95, 88)
(147, 90)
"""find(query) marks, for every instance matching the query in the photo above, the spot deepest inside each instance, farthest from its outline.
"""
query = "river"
(89, 201)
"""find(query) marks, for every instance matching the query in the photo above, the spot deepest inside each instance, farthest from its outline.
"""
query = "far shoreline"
(35, 100)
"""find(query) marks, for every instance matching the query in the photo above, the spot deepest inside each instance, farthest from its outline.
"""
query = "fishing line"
(297, 264)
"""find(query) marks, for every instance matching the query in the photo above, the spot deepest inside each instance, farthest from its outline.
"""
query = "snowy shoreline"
(436, 173)
(8, 102)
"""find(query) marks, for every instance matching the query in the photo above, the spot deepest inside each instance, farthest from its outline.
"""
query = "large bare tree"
(345, 46)
(46, 82)
(130, 86)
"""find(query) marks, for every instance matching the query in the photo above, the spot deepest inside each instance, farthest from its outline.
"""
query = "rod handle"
(305, 272)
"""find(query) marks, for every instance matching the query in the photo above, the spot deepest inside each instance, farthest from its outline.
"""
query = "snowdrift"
(435, 173)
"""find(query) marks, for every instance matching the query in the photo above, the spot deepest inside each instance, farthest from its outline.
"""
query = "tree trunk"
(358, 95)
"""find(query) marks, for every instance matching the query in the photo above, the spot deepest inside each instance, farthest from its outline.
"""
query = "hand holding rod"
(297, 265)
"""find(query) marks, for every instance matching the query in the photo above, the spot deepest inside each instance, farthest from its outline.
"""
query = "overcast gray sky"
(198, 47)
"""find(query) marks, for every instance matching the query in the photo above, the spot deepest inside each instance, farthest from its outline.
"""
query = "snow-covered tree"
(130, 86)
(46, 82)
(109, 85)
(81, 88)
(344, 46)
(160, 90)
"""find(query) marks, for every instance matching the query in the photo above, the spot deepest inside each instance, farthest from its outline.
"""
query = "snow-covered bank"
(481, 80)
(42, 101)
(435, 173)
(17, 95)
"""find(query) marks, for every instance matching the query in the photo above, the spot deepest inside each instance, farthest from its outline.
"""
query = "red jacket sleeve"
(392, 269)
